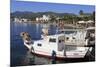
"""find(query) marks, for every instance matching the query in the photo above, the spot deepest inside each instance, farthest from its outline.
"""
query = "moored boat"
(74, 45)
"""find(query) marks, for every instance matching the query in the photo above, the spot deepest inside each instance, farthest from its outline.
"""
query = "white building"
(16, 20)
(85, 22)
(43, 18)
(20, 20)
(24, 20)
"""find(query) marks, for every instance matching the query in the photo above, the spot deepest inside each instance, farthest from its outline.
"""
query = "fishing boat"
(62, 45)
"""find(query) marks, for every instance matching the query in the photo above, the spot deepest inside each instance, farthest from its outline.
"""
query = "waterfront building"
(24, 20)
(20, 20)
(16, 19)
(86, 23)
(43, 18)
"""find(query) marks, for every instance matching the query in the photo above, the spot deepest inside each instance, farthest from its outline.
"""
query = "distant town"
(52, 17)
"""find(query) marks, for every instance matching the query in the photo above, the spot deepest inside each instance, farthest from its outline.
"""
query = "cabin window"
(91, 31)
(52, 40)
(73, 37)
(59, 41)
(67, 38)
(39, 44)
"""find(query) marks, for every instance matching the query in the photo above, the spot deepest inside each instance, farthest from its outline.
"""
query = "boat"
(61, 46)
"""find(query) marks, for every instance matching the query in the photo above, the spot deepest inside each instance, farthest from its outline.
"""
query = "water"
(19, 54)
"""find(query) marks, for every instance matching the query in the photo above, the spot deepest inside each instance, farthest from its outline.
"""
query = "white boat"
(60, 45)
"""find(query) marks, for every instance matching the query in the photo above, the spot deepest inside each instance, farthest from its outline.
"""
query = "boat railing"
(76, 43)
(72, 30)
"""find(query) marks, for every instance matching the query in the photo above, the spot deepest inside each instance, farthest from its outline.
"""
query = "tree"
(81, 12)
(94, 16)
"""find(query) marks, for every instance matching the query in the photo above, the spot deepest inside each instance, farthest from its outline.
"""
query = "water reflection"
(25, 24)
(31, 59)
(28, 59)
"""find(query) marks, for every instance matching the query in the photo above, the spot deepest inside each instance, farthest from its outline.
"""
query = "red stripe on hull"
(57, 58)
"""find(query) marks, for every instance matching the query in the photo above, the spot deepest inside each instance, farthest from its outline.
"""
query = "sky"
(54, 7)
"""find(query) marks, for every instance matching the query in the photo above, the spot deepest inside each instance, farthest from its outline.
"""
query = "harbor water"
(20, 56)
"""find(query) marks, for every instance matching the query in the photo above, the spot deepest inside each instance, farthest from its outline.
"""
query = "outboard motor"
(27, 41)
(53, 57)
(26, 38)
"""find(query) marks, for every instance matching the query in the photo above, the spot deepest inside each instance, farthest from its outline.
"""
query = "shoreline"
(56, 23)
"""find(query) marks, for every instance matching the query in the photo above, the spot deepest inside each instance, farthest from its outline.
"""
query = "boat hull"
(34, 52)
(59, 58)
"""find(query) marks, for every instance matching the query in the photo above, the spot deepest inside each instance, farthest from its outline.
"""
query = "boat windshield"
(70, 32)
(52, 40)
(91, 31)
